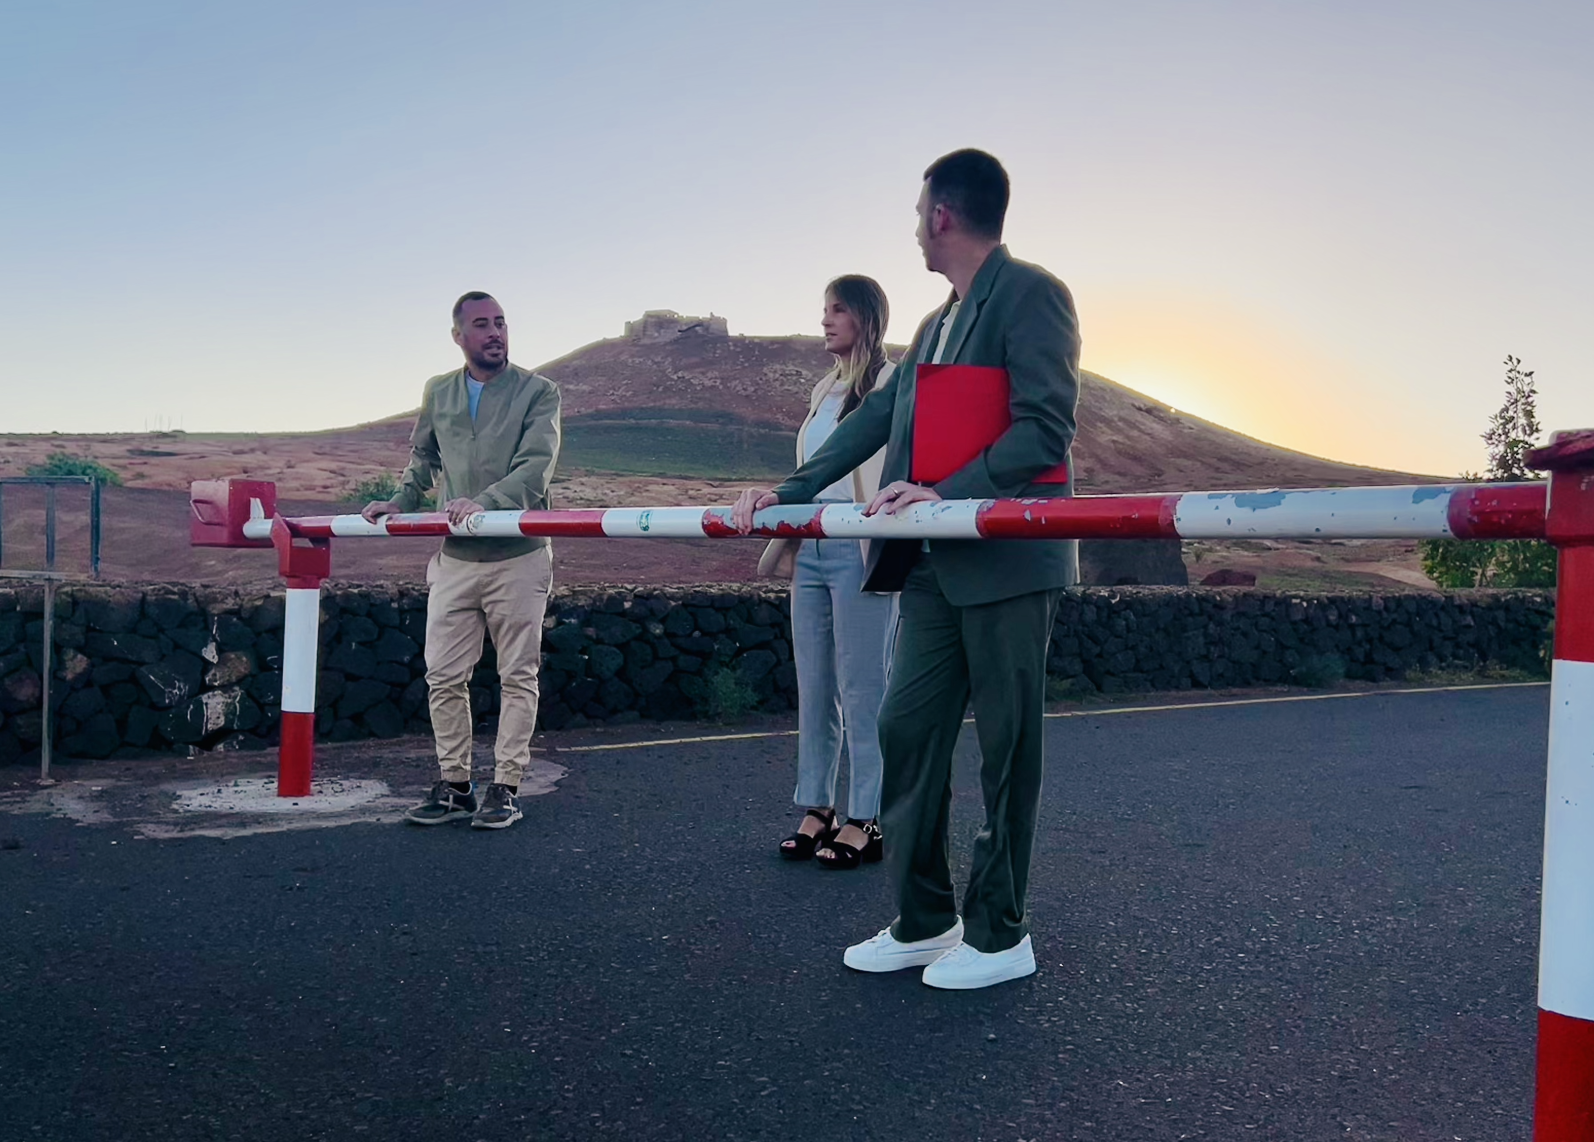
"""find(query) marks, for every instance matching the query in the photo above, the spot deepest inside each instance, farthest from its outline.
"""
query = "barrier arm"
(1426, 511)
(243, 513)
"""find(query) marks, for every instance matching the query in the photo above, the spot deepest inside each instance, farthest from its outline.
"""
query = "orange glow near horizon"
(1226, 366)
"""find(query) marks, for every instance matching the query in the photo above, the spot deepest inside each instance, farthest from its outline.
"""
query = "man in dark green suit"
(976, 615)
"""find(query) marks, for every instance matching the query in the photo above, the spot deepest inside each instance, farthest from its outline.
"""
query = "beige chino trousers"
(506, 599)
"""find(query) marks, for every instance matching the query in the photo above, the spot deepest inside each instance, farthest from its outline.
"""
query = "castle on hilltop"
(666, 325)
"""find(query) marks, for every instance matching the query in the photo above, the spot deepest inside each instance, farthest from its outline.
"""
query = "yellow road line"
(679, 741)
(765, 734)
(1290, 698)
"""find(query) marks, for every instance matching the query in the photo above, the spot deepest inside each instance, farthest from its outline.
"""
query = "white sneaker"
(884, 952)
(964, 968)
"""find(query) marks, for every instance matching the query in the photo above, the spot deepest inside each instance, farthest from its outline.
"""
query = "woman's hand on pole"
(750, 501)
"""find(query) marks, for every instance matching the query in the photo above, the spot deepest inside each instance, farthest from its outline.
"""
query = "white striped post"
(300, 633)
(1564, 1102)
(304, 567)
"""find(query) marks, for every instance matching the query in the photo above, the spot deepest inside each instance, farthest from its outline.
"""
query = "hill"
(686, 417)
(717, 406)
(700, 407)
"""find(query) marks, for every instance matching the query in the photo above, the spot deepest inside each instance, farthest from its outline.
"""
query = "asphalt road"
(1298, 921)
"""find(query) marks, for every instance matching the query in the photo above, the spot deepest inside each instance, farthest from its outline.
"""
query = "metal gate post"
(46, 714)
(304, 568)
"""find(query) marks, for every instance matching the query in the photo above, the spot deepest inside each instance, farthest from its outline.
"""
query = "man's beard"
(482, 364)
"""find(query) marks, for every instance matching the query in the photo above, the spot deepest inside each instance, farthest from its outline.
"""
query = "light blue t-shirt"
(476, 388)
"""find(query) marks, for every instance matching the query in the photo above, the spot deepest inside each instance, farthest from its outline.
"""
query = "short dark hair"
(473, 295)
(973, 185)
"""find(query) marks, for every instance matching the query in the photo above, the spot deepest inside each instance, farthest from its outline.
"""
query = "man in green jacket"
(976, 615)
(491, 431)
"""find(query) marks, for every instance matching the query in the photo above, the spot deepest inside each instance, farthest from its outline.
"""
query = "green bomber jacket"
(504, 459)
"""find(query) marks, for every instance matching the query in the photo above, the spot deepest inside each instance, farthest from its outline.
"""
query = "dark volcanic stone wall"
(167, 669)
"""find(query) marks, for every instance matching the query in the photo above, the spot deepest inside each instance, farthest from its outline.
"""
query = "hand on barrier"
(894, 497)
(461, 509)
(750, 501)
(376, 509)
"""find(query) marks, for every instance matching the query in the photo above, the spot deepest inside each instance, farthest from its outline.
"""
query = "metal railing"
(50, 484)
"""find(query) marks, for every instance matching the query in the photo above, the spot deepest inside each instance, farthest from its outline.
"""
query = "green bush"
(66, 464)
(383, 487)
(1462, 563)
(1524, 563)
(726, 696)
(1068, 689)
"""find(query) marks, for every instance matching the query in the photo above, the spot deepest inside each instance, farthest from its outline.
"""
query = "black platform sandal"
(800, 845)
(843, 856)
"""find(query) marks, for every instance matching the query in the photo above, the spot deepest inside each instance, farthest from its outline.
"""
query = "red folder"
(958, 412)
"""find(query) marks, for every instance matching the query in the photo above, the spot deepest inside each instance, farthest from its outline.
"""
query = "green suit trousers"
(993, 655)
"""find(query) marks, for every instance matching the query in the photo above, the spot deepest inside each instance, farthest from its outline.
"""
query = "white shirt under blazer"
(780, 556)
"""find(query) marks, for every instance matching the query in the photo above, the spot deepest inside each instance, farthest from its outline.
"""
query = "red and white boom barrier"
(243, 513)
(1419, 511)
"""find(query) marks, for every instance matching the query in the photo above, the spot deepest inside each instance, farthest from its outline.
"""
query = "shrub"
(726, 696)
(383, 487)
(66, 464)
(1462, 563)
(1456, 563)
(1068, 689)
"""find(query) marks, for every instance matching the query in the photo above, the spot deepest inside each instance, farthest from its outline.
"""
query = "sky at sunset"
(1324, 225)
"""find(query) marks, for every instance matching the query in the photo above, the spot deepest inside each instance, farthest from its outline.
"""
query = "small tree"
(1512, 431)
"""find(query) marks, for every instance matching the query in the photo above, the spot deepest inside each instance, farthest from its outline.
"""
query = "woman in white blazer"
(839, 633)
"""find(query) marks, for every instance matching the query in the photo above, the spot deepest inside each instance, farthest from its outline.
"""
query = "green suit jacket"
(503, 459)
(1016, 317)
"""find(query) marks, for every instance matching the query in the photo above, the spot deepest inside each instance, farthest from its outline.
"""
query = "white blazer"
(780, 556)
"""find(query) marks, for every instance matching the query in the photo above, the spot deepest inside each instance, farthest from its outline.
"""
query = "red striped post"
(304, 567)
(296, 753)
(1564, 1102)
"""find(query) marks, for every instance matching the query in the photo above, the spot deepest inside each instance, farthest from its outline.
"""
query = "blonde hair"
(859, 369)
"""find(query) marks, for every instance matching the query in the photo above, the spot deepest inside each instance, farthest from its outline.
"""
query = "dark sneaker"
(500, 809)
(443, 803)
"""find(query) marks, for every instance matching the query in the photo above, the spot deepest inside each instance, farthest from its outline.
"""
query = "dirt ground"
(1314, 565)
